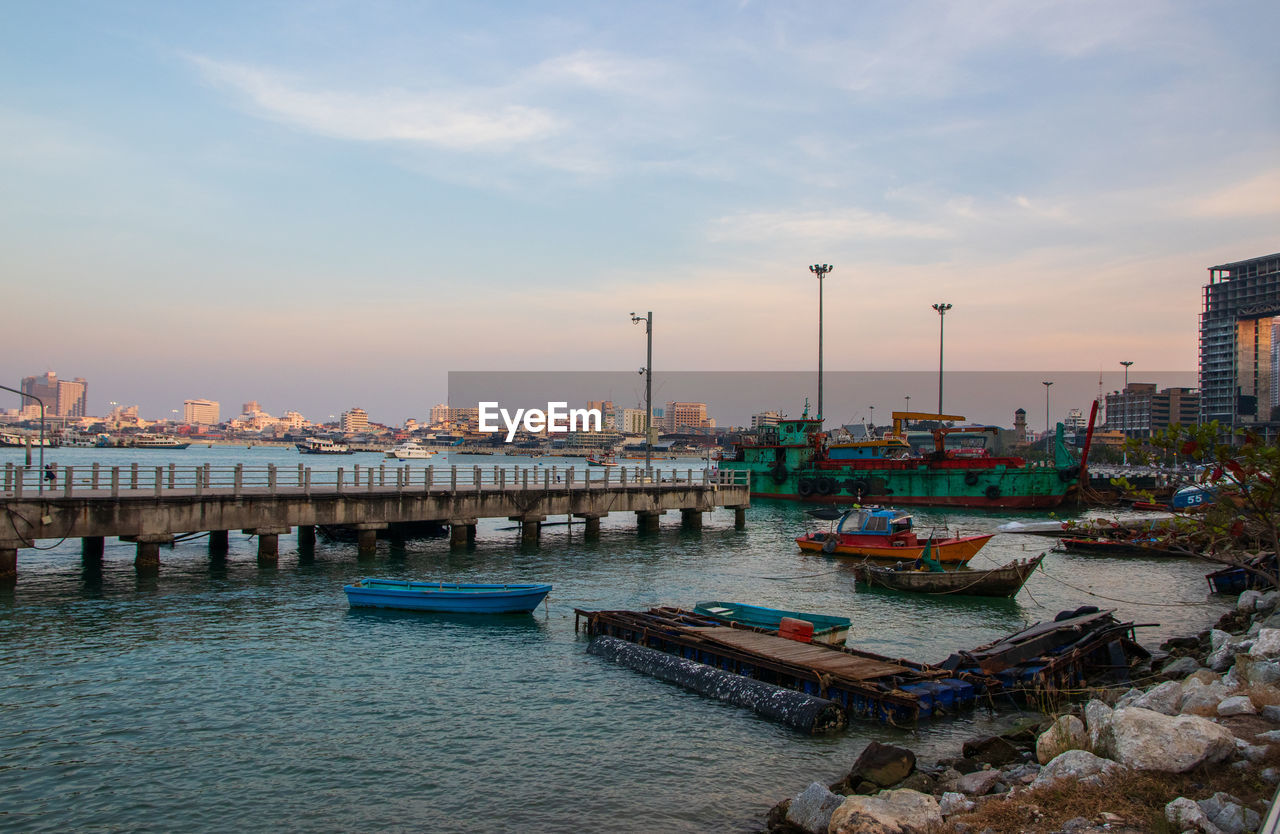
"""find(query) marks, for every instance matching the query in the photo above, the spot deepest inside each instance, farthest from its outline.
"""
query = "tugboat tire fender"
(805, 487)
(825, 485)
(861, 486)
(992, 492)
(971, 478)
(779, 472)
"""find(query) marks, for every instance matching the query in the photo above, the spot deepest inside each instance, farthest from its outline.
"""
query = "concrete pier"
(92, 548)
(151, 506)
(367, 539)
(269, 543)
(739, 518)
(691, 519)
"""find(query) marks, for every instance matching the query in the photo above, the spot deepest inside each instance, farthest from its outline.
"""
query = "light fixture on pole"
(1126, 373)
(1046, 412)
(908, 402)
(821, 271)
(647, 370)
(942, 314)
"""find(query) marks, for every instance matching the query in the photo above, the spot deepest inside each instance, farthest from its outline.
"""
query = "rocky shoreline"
(1197, 749)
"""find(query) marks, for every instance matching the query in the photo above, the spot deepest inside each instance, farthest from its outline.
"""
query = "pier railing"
(136, 479)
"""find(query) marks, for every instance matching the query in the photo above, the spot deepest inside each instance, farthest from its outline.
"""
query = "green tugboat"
(797, 460)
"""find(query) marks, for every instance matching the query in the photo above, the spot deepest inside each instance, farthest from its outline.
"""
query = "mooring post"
(173, 472)
(237, 482)
(96, 468)
(68, 481)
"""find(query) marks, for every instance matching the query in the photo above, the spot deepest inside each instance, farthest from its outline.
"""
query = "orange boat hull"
(956, 551)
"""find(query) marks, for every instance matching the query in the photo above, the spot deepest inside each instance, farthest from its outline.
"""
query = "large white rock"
(978, 783)
(1066, 733)
(1164, 698)
(1248, 601)
(889, 812)
(955, 803)
(1074, 765)
(1266, 644)
(1147, 740)
(1229, 814)
(812, 808)
(1218, 638)
(1097, 722)
(1254, 671)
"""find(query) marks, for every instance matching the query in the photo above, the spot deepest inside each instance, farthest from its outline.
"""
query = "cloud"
(469, 120)
(1257, 196)
(809, 226)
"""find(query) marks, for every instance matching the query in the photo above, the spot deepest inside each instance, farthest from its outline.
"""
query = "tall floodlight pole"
(821, 271)
(37, 399)
(942, 314)
(647, 370)
(1046, 413)
(1126, 372)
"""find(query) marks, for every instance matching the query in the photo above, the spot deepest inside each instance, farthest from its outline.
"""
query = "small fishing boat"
(826, 628)
(1003, 581)
(885, 535)
(601, 460)
(410, 450)
(452, 597)
(1142, 546)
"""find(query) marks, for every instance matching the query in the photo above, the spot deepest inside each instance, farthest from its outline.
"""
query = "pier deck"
(152, 505)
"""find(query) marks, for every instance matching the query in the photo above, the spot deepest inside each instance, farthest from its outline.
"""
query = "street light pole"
(1126, 373)
(648, 388)
(942, 314)
(821, 271)
(1046, 414)
(37, 399)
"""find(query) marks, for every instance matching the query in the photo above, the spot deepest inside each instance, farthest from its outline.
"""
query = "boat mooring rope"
(1115, 599)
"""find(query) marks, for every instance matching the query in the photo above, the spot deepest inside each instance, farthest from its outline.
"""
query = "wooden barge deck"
(1038, 662)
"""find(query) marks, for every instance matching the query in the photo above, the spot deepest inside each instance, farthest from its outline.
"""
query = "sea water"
(222, 696)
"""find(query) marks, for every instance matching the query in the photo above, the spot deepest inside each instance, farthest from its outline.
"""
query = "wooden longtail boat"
(826, 628)
(453, 597)
(1118, 547)
(1004, 581)
(887, 535)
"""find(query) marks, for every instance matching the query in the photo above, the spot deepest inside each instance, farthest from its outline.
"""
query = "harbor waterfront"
(220, 695)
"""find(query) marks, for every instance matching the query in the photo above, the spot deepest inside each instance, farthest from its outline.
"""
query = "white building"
(200, 412)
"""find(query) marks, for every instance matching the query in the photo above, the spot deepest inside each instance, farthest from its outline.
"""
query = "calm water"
(221, 696)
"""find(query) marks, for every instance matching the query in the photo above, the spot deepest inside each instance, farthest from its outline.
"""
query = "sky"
(329, 204)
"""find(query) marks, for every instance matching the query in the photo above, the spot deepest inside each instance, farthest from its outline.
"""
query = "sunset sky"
(325, 205)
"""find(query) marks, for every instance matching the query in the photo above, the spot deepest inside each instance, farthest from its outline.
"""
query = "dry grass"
(1138, 797)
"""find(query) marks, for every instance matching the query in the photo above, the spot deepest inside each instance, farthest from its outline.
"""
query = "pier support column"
(147, 559)
(530, 526)
(691, 519)
(647, 520)
(739, 517)
(92, 548)
(591, 528)
(8, 563)
(367, 538)
(219, 543)
(462, 532)
(306, 542)
(268, 544)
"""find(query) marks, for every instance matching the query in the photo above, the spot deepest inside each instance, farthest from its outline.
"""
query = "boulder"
(1164, 698)
(1185, 815)
(1147, 740)
(890, 812)
(992, 750)
(882, 765)
(1271, 713)
(1267, 602)
(1221, 660)
(1129, 697)
(811, 809)
(1020, 774)
(1269, 737)
(1218, 638)
(1270, 775)
(1255, 671)
(1066, 733)
(1248, 601)
(1180, 668)
(1229, 814)
(955, 803)
(1236, 705)
(978, 783)
(1097, 718)
(1204, 676)
(1075, 765)
(1267, 643)
(1198, 699)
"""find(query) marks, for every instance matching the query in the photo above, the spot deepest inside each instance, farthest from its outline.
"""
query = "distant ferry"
(157, 441)
(410, 450)
(16, 439)
(322, 446)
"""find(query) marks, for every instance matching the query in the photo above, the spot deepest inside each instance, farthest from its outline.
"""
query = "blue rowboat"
(455, 597)
(826, 628)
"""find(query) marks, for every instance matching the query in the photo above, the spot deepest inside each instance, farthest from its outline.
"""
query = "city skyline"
(335, 207)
